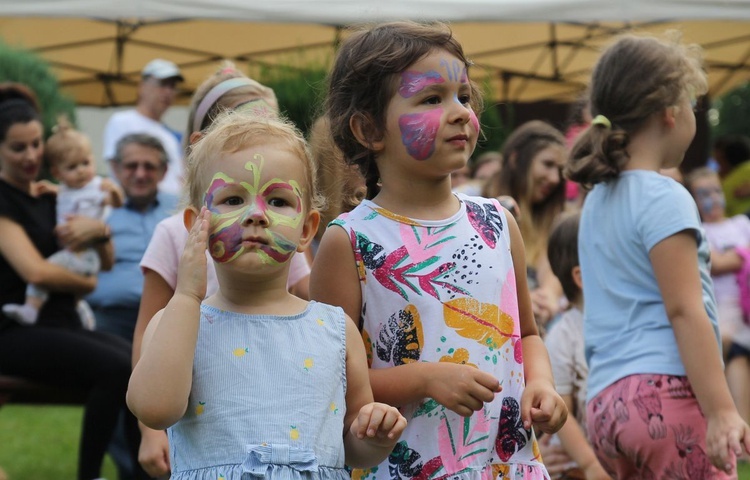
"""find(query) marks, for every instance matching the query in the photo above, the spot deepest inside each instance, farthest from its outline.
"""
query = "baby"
(81, 192)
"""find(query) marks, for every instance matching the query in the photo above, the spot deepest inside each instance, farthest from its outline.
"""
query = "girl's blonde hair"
(634, 78)
(227, 71)
(65, 142)
(234, 131)
(362, 82)
(697, 174)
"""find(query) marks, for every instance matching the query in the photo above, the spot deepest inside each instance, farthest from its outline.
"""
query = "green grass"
(41, 442)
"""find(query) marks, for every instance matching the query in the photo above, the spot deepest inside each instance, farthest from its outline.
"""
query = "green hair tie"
(601, 120)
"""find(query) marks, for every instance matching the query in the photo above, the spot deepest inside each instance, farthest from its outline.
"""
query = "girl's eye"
(233, 201)
(18, 148)
(464, 99)
(434, 100)
(278, 202)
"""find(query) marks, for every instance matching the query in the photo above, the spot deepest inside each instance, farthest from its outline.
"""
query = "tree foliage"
(731, 112)
(22, 66)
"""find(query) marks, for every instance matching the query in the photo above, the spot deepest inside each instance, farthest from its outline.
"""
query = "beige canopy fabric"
(526, 54)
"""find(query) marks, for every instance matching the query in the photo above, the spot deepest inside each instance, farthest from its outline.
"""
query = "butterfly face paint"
(419, 130)
(708, 199)
(237, 205)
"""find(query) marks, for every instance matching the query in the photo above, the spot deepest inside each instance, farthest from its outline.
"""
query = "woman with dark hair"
(533, 159)
(56, 350)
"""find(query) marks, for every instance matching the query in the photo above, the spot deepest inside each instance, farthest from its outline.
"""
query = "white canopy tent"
(528, 49)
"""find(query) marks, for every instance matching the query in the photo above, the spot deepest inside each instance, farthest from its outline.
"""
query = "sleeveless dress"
(268, 398)
(445, 291)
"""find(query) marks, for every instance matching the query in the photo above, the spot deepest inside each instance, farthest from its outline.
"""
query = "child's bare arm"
(673, 260)
(115, 195)
(540, 403)
(371, 429)
(162, 379)
(574, 441)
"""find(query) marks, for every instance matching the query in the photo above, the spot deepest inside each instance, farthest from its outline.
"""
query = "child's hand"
(461, 388)
(42, 187)
(726, 436)
(543, 407)
(192, 271)
(379, 424)
(116, 197)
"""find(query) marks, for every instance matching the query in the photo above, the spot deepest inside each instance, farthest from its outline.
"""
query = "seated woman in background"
(56, 350)
(533, 158)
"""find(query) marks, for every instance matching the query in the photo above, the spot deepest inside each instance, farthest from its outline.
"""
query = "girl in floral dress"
(437, 281)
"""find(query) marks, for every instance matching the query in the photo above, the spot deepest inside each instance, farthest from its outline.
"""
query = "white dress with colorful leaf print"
(267, 400)
(445, 291)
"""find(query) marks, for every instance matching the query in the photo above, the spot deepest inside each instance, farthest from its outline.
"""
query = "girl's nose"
(255, 215)
(460, 112)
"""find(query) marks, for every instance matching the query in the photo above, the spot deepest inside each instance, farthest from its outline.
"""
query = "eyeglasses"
(132, 167)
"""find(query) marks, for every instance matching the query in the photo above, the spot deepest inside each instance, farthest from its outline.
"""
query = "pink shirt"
(166, 245)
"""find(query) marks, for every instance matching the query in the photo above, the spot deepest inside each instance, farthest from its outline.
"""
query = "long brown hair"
(519, 150)
(361, 82)
(633, 79)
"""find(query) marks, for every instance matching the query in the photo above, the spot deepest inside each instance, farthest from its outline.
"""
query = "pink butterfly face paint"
(418, 132)
(250, 216)
(414, 82)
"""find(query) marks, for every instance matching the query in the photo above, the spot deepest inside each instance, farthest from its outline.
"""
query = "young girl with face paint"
(254, 380)
(437, 280)
(726, 236)
(226, 89)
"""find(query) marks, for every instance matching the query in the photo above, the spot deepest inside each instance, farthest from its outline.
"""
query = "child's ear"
(189, 215)
(364, 131)
(309, 229)
(577, 279)
(669, 116)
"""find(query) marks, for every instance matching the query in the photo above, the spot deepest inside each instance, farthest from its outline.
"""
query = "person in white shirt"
(156, 92)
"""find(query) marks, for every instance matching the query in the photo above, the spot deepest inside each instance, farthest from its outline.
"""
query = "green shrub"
(731, 113)
(299, 90)
(23, 66)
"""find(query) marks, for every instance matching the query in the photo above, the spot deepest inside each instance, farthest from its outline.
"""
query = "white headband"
(214, 94)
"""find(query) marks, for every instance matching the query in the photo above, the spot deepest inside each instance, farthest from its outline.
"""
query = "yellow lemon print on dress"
(308, 363)
(333, 408)
(320, 322)
(221, 477)
(240, 352)
(200, 408)
(294, 433)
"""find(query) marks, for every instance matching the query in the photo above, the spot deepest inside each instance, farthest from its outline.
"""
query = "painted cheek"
(414, 82)
(418, 132)
(225, 243)
(474, 121)
(280, 250)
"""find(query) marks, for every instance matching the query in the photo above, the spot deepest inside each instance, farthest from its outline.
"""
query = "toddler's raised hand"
(543, 407)
(192, 271)
(378, 424)
(461, 388)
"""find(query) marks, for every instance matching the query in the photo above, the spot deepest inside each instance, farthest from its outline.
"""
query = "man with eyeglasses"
(156, 93)
(139, 163)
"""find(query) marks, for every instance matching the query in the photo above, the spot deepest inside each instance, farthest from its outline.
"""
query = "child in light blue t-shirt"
(658, 404)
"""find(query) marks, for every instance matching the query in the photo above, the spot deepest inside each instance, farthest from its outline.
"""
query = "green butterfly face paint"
(250, 215)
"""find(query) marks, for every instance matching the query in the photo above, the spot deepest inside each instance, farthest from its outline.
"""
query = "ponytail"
(598, 155)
